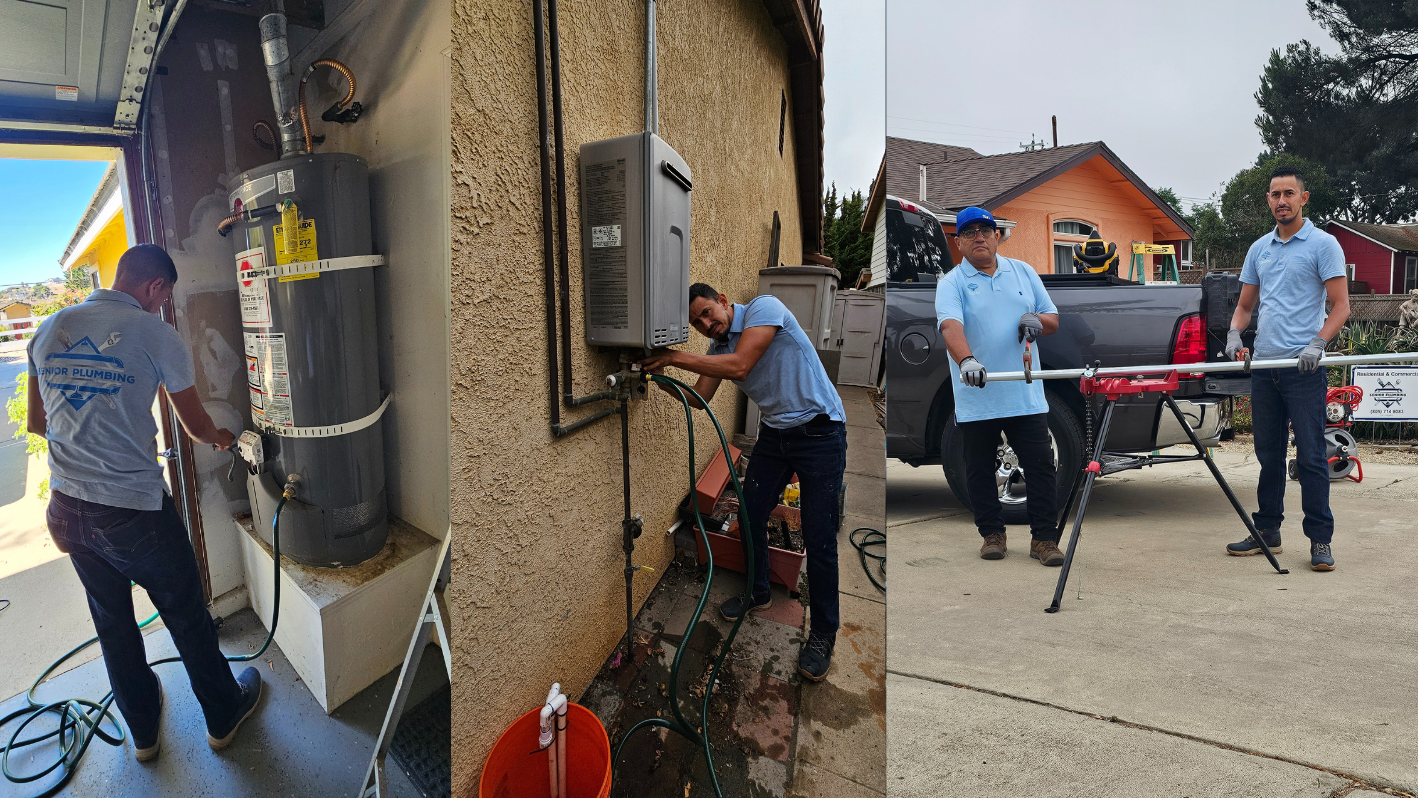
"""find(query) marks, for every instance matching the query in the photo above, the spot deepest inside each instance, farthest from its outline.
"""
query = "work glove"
(1234, 345)
(972, 372)
(1310, 357)
(1030, 328)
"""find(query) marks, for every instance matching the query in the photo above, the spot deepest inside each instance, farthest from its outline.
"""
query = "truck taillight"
(1190, 346)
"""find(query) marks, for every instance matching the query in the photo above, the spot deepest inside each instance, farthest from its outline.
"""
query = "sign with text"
(1390, 393)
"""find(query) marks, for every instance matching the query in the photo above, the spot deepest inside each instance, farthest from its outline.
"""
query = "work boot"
(816, 656)
(250, 682)
(1046, 552)
(145, 753)
(1249, 546)
(993, 548)
(1321, 558)
(733, 608)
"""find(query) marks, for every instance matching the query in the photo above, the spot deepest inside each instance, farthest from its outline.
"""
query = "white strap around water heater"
(314, 267)
(332, 430)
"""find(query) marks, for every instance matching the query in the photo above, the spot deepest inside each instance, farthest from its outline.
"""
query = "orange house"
(1056, 197)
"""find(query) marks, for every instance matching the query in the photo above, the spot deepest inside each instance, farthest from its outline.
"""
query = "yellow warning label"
(305, 248)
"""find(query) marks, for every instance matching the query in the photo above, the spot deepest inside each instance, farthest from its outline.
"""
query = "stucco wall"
(1089, 192)
(538, 591)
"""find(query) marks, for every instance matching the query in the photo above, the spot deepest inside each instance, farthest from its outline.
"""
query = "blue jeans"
(817, 453)
(1281, 400)
(111, 546)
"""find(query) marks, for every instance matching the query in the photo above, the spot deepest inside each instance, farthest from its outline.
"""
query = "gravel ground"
(1389, 454)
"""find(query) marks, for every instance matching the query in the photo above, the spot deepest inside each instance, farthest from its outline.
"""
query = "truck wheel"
(1066, 432)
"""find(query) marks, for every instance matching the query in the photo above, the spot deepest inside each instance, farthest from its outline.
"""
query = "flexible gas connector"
(349, 95)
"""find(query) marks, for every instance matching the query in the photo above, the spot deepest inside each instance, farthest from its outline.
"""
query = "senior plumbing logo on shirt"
(82, 372)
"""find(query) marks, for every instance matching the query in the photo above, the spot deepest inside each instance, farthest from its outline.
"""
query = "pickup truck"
(1101, 318)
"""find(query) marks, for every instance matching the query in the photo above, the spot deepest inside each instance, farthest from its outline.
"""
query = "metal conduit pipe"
(556, 380)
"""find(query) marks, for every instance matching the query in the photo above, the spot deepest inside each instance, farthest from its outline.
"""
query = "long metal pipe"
(548, 237)
(652, 77)
(1205, 368)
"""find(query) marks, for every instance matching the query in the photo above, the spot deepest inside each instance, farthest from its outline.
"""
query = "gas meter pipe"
(700, 735)
(1244, 366)
(81, 720)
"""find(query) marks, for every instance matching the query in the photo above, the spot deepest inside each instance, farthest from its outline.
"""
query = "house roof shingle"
(958, 177)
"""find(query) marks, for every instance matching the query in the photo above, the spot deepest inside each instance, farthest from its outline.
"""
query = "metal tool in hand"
(1245, 366)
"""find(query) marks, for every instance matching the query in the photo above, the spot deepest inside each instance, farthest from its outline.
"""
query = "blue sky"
(40, 204)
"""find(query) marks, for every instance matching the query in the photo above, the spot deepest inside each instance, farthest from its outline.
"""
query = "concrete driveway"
(1180, 671)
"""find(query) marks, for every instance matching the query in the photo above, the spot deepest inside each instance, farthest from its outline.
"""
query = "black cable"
(873, 538)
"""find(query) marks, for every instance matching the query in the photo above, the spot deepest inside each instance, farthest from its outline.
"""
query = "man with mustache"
(1291, 271)
(987, 307)
(761, 347)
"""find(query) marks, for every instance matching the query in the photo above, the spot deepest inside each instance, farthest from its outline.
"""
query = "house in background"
(1054, 197)
(1385, 256)
(102, 235)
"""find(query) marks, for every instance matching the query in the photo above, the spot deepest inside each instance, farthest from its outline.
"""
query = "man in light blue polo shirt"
(987, 307)
(94, 371)
(761, 347)
(1291, 271)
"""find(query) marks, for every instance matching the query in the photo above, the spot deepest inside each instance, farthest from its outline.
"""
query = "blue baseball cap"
(971, 215)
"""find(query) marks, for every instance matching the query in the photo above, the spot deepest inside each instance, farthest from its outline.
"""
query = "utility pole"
(1056, 131)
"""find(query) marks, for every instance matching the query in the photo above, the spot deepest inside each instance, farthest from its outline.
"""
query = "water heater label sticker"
(255, 299)
(268, 376)
(285, 181)
(607, 276)
(305, 248)
(605, 236)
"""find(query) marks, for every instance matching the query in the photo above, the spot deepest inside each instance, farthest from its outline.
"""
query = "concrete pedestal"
(343, 628)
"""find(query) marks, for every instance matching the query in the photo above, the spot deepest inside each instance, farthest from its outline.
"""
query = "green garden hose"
(700, 735)
(81, 720)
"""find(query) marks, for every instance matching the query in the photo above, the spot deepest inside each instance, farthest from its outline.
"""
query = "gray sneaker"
(150, 752)
(1321, 558)
(250, 682)
(1249, 546)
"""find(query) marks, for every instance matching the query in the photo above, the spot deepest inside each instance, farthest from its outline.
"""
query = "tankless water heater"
(635, 242)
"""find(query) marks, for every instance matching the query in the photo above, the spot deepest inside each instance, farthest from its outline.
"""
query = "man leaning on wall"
(761, 347)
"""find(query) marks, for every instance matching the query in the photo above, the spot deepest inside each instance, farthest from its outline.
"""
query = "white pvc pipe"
(560, 705)
(1205, 368)
(547, 740)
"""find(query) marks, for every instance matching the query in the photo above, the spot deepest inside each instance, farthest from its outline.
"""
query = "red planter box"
(784, 566)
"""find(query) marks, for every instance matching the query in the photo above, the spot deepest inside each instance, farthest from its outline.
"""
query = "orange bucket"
(516, 769)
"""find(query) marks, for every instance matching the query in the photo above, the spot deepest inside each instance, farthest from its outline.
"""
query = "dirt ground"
(1387, 454)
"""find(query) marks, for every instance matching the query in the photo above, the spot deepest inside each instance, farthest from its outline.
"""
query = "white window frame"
(1057, 239)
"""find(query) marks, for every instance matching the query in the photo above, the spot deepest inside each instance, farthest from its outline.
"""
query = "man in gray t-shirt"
(94, 371)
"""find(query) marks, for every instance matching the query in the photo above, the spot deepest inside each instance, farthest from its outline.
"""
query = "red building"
(1383, 255)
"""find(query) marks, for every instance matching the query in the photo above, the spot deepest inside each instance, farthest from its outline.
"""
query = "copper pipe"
(333, 64)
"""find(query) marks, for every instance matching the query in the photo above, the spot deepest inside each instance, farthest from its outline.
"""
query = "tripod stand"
(1112, 389)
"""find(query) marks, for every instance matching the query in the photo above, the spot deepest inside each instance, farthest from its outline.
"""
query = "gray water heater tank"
(635, 242)
(312, 358)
